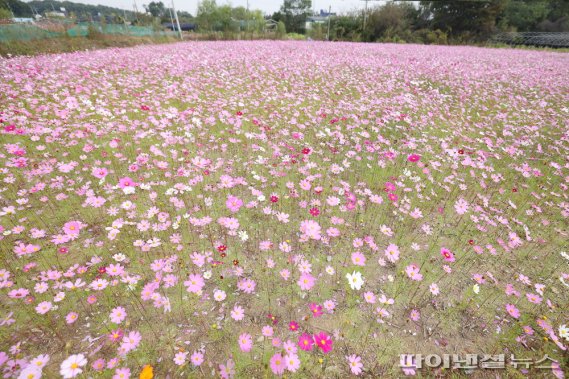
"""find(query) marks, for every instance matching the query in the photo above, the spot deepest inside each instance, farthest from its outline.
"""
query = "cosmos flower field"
(298, 209)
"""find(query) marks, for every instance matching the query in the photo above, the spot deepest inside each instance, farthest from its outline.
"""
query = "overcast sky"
(267, 6)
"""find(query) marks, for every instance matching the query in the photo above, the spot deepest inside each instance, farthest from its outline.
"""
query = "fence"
(27, 32)
(542, 39)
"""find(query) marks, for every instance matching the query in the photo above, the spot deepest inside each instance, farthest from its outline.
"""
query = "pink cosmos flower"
(358, 259)
(115, 270)
(278, 364)
(392, 253)
(122, 373)
(116, 335)
(245, 342)
(44, 307)
(180, 357)
(311, 229)
(126, 182)
(72, 228)
(233, 203)
(512, 310)
(98, 365)
(415, 315)
(247, 285)
(355, 364)
(292, 362)
(118, 315)
(533, 298)
(195, 283)
(306, 281)
(227, 370)
(237, 313)
(23, 249)
(461, 206)
(197, 358)
(71, 317)
(412, 272)
(370, 297)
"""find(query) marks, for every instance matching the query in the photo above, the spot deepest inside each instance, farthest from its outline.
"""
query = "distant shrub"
(296, 36)
(281, 29)
(431, 37)
(5, 14)
(94, 32)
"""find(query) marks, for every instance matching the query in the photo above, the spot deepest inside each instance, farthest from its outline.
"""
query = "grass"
(72, 44)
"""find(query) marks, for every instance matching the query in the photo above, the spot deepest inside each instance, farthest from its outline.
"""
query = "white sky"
(267, 6)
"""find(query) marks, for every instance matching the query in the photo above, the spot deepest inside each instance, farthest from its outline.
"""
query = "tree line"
(451, 21)
(431, 21)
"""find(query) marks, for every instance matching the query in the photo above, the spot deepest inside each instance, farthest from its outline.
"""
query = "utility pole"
(171, 18)
(329, 15)
(365, 13)
(247, 17)
(135, 8)
(177, 20)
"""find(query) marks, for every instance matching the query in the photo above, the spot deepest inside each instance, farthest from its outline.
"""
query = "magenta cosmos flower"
(447, 254)
(323, 341)
(306, 342)
(414, 158)
(316, 309)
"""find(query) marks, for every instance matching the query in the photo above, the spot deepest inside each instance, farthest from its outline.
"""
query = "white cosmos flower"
(564, 332)
(71, 367)
(119, 257)
(355, 279)
(129, 190)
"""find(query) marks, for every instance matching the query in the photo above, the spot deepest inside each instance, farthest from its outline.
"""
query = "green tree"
(156, 8)
(18, 8)
(240, 13)
(207, 14)
(525, 15)
(5, 14)
(347, 27)
(223, 20)
(467, 20)
(281, 29)
(557, 17)
(392, 21)
(257, 20)
(295, 13)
